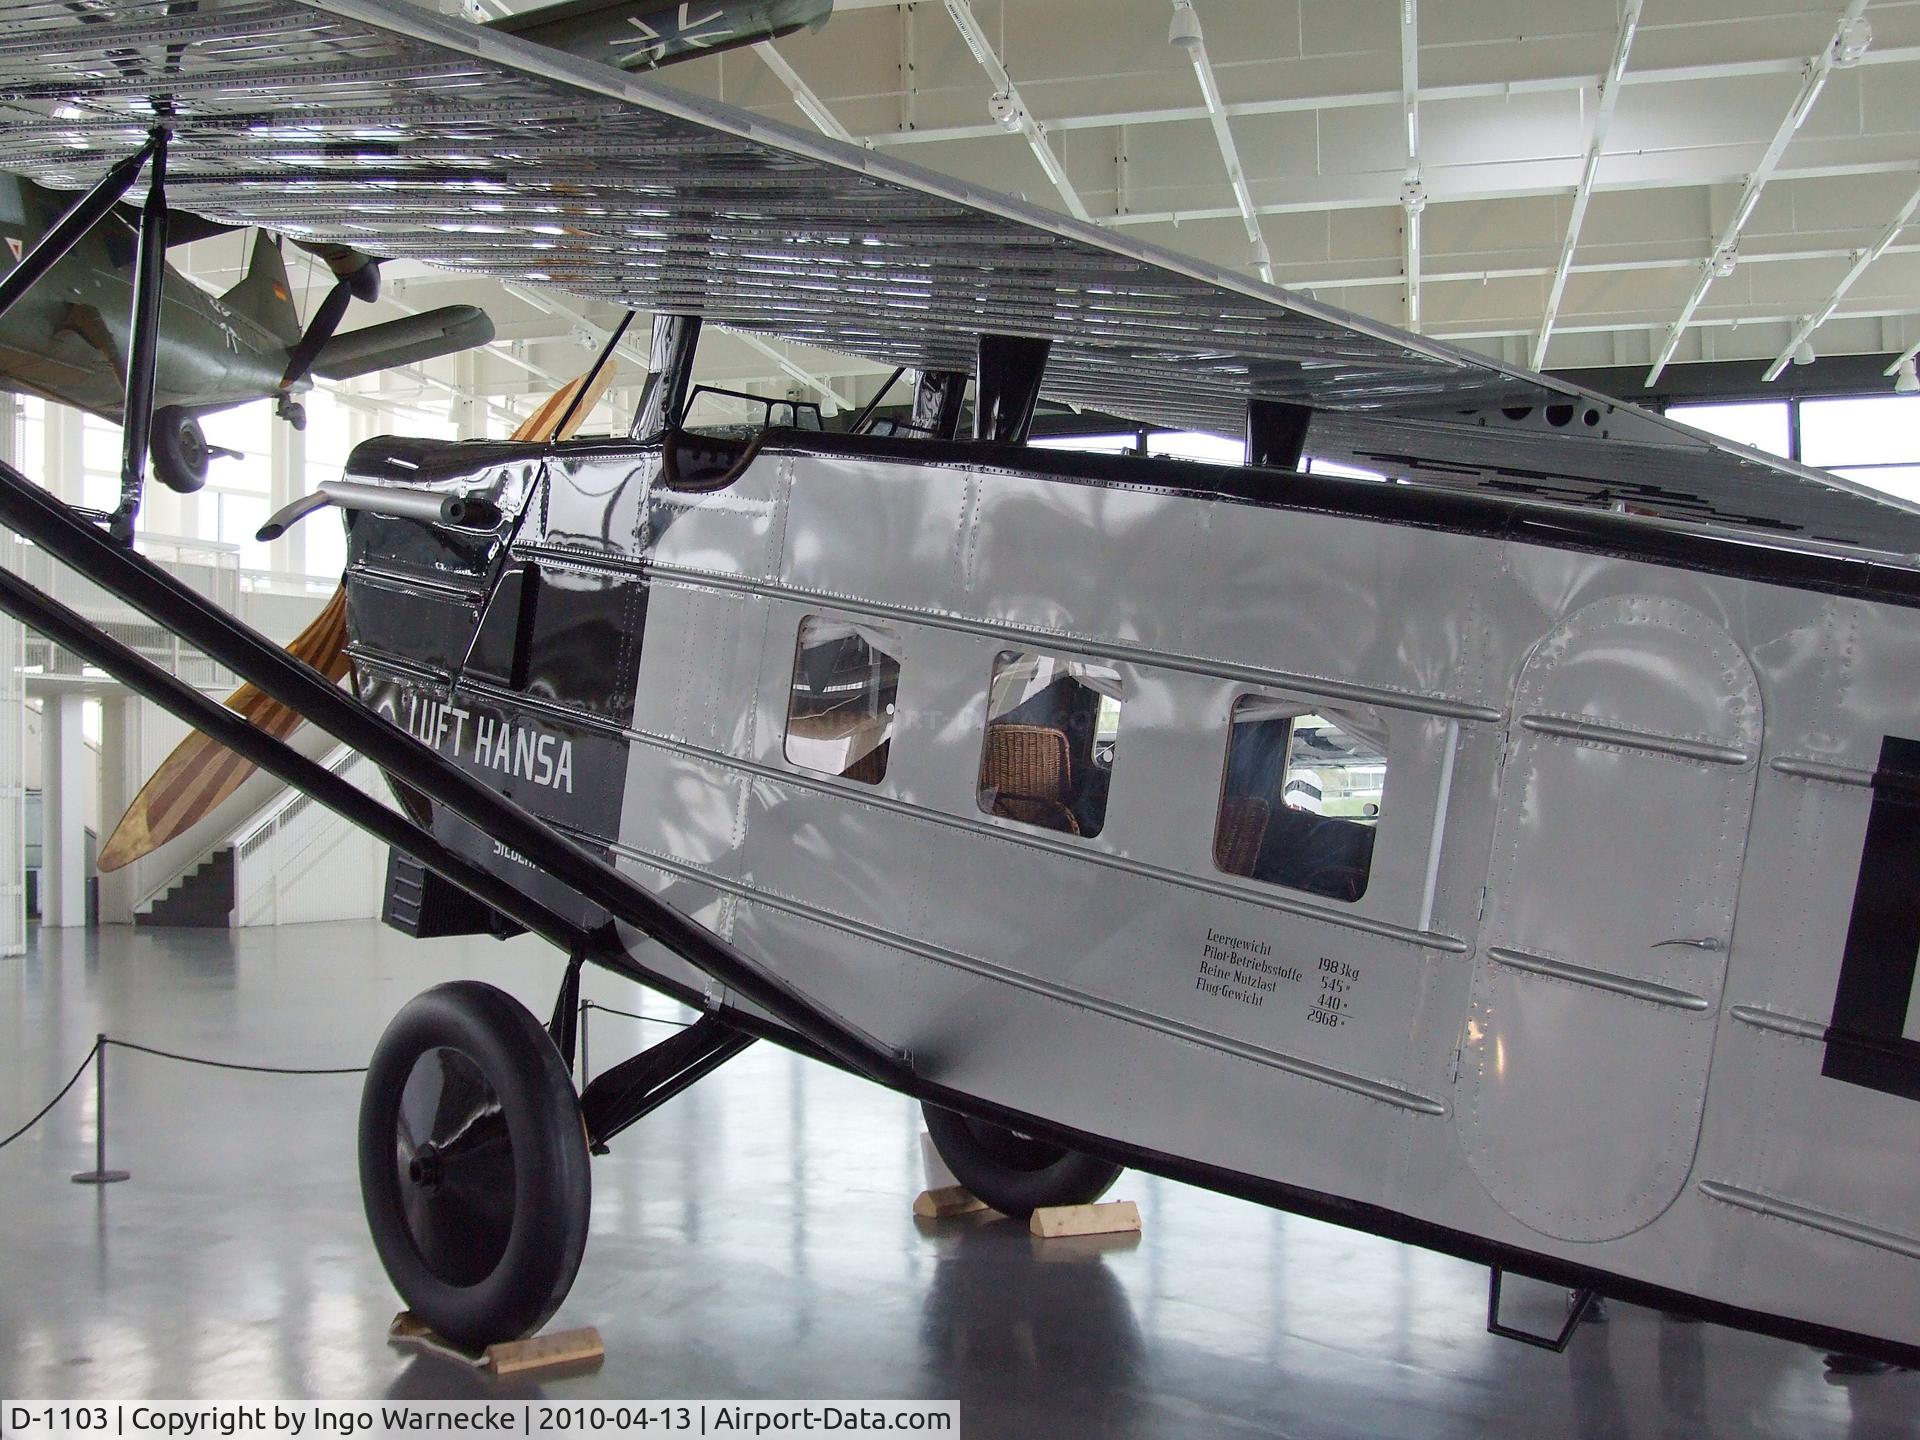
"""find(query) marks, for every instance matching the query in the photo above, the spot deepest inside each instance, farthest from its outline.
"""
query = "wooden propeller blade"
(200, 773)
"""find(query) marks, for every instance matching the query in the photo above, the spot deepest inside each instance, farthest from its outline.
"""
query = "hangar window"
(1301, 796)
(1052, 726)
(846, 680)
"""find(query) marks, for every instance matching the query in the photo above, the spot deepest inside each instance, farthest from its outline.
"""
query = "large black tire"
(179, 449)
(473, 1164)
(1015, 1174)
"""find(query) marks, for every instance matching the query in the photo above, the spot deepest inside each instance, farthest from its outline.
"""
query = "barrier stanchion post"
(100, 1174)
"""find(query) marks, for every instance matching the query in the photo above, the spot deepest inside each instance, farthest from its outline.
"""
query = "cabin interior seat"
(1321, 854)
(1026, 773)
(1243, 825)
(1282, 844)
(871, 767)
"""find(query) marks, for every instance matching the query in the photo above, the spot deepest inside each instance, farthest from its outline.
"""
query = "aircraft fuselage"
(1482, 873)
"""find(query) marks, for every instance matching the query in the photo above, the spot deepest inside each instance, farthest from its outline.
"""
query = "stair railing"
(280, 844)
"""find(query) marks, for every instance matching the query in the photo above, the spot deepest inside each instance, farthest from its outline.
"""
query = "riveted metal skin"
(1597, 731)
(1636, 691)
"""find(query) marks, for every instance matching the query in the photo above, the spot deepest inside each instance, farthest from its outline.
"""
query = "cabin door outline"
(1620, 836)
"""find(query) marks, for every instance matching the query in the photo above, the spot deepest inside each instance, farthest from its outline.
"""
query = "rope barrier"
(47, 1109)
(233, 1065)
(97, 1057)
(101, 1042)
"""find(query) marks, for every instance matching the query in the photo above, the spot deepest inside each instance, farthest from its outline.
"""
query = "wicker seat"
(1242, 829)
(1025, 774)
(871, 767)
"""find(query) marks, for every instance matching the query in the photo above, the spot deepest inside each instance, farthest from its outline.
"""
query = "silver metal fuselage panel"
(1589, 756)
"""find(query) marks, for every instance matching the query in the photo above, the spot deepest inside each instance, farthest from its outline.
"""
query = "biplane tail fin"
(264, 295)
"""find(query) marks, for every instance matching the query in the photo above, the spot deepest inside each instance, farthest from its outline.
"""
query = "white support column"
(120, 781)
(465, 409)
(13, 727)
(287, 482)
(63, 440)
(63, 805)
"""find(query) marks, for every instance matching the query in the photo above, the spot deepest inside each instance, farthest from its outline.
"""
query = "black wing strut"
(50, 524)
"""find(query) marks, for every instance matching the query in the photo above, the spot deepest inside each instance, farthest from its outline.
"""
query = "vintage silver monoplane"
(1513, 855)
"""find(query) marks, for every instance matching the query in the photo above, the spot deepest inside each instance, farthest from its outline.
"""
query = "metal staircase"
(201, 897)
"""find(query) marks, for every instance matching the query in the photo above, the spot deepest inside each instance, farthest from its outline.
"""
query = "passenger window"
(1301, 796)
(846, 678)
(1051, 730)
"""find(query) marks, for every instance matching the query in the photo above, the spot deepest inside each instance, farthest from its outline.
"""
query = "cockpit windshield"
(738, 415)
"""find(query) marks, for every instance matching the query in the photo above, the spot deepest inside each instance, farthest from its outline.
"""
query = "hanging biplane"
(1513, 855)
(69, 344)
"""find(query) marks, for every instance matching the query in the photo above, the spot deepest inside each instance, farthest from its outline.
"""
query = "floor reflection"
(753, 1239)
(1014, 1327)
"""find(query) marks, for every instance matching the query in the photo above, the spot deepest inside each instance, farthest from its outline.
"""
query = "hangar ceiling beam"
(1413, 192)
(358, 400)
(1610, 85)
(1731, 321)
(1862, 261)
(1007, 96)
(1548, 175)
(1480, 275)
(810, 104)
(1687, 75)
(1187, 35)
(550, 303)
(797, 371)
(505, 350)
(1720, 261)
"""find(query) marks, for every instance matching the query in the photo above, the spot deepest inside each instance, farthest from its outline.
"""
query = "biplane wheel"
(179, 449)
(1015, 1174)
(473, 1164)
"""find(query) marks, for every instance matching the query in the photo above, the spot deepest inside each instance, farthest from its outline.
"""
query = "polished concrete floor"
(750, 1240)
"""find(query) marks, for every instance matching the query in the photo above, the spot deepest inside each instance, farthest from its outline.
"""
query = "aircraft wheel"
(473, 1164)
(179, 449)
(1015, 1174)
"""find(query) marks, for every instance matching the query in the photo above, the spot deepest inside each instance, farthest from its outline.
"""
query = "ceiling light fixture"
(1185, 31)
(1852, 43)
(1907, 380)
(1803, 353)
(1005, 110)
